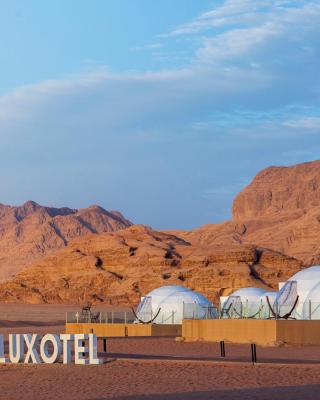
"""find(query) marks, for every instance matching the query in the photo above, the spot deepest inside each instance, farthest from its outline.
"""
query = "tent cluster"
(171, 304)
(297, 298)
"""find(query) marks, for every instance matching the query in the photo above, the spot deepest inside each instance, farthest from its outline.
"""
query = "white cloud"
(29, 101)
(252, 66)
(229, 13)
(255, 33)
(310, 123)
(237, 12)
(151, 46)
(281, 27)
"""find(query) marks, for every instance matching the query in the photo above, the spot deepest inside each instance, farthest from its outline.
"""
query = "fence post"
(253, 353)
(310, 313)
(260, 309)
(222, 349)
(125, 317)
(104, 345)
(112, 316)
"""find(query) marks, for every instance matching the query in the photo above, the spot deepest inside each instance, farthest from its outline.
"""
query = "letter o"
(44, 351)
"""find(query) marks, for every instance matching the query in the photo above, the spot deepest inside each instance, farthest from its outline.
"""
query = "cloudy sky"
(163, 110)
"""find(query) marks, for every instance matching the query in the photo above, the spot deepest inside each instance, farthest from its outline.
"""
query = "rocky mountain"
(274, 232)
(279, 190)
(31, 231)
(279, 210)
(120, 267)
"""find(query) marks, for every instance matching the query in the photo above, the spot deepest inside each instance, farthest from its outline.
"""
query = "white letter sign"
(49, 349)
(66, 340)
(31, 340)
(16, 348)
(44, 351)
(80, 349)
(93, 350)
(3, 359)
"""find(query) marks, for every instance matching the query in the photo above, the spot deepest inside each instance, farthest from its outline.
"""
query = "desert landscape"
(93, 255)
(159, 200)
(157, 368)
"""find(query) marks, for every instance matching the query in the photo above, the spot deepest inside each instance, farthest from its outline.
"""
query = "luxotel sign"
(36, 349)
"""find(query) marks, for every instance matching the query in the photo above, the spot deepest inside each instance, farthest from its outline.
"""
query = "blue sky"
(163, 110)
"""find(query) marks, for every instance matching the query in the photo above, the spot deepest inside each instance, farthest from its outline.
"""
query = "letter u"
(16, 348)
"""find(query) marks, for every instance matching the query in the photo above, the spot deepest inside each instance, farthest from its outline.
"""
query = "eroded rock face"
(280, 189)
(31, 231)
(120, 267)
(274, 233)
(279, 210)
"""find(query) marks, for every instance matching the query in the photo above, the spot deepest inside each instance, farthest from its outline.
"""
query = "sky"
(163, 110)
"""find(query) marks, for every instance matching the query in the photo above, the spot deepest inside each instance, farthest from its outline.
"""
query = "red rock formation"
(279, 210)
(274, 232)
(280, 189)
(30, 232)
(120, 267)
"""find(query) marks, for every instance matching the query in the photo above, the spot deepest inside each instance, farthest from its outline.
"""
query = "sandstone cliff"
(30, 232)
(280, 190)
(120, 267)
(274, 232)
(279, 210)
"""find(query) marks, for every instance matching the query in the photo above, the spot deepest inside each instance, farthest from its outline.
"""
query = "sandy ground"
(157, 368)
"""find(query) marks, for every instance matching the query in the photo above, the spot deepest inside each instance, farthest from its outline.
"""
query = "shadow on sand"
(305, 392)
(235, 359)
(19, 324)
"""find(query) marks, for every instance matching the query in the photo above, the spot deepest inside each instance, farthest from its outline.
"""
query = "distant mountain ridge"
(74, 256)
(31, 231)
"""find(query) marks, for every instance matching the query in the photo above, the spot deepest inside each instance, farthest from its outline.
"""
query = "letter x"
(32, 341)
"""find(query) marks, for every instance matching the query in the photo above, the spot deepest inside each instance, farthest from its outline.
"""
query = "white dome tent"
(297, 298)
(170, 304)
(242, 303)
(306, 280)
(311, 305)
